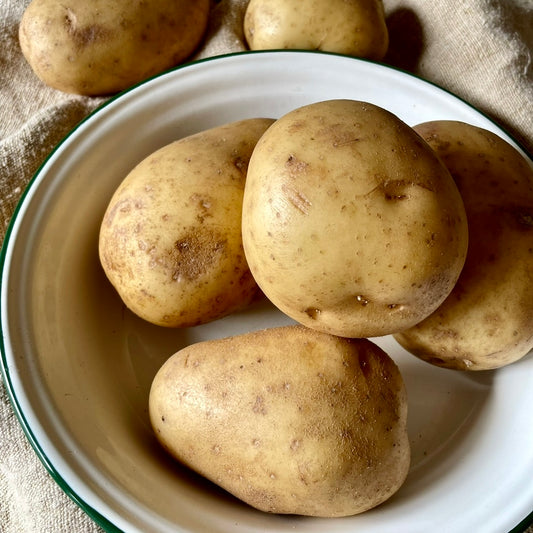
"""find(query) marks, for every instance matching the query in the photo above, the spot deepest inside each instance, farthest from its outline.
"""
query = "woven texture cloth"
(481, 50)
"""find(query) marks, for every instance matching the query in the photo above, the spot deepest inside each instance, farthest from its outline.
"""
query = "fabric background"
(479, 49)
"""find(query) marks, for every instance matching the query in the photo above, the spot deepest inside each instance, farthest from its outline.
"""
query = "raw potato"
(487, 321)
(170, 240)
(101, 47)
(352, 27)
(288, 419)
(351, 224)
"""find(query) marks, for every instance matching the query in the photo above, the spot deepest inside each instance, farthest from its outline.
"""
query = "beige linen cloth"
(479, 49)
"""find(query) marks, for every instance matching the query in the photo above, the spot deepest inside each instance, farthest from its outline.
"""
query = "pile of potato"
(355, 225)
(100, 48)
(348, 220)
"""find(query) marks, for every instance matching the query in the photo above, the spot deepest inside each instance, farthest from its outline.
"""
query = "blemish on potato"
(202, 201)
(312, 312)
(84, 36)
(296, 125)
(525, 219)
(259, 406)
(295, 165)
(302, 477)
(240, 164)
(362, 300)
(343, 141)
(364, 364)
(396, 307)
(297, 199)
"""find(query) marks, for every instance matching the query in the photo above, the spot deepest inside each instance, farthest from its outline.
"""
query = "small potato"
(170, 240)
(351, 224)
(101, 47)
(487, 320)
(352, 27)
(287, 419)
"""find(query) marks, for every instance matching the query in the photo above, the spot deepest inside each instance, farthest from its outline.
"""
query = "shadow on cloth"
(406, 39)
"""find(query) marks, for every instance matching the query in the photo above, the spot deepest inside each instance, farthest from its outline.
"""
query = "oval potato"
(351, 224)
(287, 419)
(170, 240)
(352, 27)
(487, 320)
(100, 47)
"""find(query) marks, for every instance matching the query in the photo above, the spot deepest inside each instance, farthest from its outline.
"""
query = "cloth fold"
(481, 50)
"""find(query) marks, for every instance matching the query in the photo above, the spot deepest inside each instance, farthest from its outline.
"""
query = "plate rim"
(57, 477)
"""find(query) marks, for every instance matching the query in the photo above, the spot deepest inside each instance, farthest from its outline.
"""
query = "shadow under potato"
(406, 40)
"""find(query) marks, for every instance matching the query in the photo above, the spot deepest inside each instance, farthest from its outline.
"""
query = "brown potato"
(352, 27)
(487, 320)
(99, 47)
(170, 240)
(351, 224)
(287, 419)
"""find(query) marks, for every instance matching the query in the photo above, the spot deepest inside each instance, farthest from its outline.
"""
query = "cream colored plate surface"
(78, 366)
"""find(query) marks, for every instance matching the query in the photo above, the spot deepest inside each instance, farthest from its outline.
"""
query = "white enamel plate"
(78, 366)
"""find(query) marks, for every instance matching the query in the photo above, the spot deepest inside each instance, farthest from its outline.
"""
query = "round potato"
(170, 240)
(101, 47)
(487, 320)
(352, 27)
(351, 224)
(289, 420)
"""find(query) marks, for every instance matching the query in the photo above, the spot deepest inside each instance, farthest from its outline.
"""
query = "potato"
(101, 47)
(351, 224)
(288, 419)
(352, 27)
(487, 320)
(170, 240)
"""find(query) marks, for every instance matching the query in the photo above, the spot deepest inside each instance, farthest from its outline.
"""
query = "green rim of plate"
(96, 516)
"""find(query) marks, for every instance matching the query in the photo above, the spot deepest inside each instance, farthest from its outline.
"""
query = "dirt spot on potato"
(194, 254)
(84, 35)
(295, 165)
(241, 164)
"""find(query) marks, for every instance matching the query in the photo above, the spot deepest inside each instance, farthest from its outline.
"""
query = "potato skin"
(351, 224)
(170, 240)
(287, 419)
(352, 27)
(100, 47)
(487, 320)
